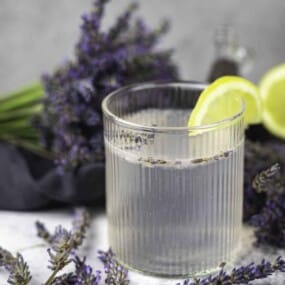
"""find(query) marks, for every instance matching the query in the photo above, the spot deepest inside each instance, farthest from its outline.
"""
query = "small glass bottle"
(231, 58)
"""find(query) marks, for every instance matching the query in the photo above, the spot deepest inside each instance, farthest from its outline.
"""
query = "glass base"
(229, 263)
(158, 275)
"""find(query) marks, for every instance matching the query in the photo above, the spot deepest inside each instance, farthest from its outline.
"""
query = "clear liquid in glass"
(167, 214)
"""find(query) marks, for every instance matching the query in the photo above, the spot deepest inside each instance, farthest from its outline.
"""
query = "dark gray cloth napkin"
(29, 182)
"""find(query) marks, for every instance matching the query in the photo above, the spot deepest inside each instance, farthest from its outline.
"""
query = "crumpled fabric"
(30, 182)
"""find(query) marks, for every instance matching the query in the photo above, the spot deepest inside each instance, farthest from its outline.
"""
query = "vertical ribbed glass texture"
(174, 194)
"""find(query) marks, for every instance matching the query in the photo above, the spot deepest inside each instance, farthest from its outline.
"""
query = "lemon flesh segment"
(221, 100)
(272, 92)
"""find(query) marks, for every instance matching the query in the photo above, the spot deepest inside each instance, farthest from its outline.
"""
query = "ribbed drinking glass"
(174, 193)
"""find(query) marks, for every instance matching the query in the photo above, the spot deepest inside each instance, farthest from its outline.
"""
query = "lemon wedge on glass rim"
(218, 102)
(272, 93)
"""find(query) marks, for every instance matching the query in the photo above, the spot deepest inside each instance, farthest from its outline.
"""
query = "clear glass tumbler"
(174, 193)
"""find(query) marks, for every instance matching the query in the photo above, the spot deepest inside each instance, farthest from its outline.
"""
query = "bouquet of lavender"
(66, 105)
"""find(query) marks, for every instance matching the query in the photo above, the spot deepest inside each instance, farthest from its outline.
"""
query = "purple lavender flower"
(242, 274)
(71, 122)
(268, 181)
(19, 272)
(80, 224)
(116, 273)
(63, 244)
(269, 223)
(43, 233)
(257, 158)
(269, 220)
(60, 250)
(84, 273)
(65, 279)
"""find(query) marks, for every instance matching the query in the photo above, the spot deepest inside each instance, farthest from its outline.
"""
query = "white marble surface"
(17, 234)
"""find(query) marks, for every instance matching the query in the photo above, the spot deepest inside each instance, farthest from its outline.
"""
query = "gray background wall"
(36, 35)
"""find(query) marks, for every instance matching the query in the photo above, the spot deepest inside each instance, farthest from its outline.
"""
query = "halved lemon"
(272, 92)
(221, 100)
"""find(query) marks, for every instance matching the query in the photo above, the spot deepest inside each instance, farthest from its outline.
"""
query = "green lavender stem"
(22, 133)
(27, 96)
(18, 107)
(22, 113)
(51, 277)
(16, 110)
(14, 125)
(19, 93)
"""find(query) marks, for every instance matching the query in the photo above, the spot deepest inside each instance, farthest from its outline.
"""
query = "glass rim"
(154, 84)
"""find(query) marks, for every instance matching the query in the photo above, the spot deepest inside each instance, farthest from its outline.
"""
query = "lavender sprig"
(242, 274)
(268, 180)
(122, 23)
(116, 273)
(64, 242)
(71, 122)
(43, 233)
(65, 279)
(80, 224)
(258, 156)
(6, 258)
(270, 223)
(61, 247)
(270, 220)
(19, 273)
(83, 275)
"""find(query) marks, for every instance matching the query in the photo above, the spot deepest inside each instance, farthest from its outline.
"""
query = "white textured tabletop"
(18, 234)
